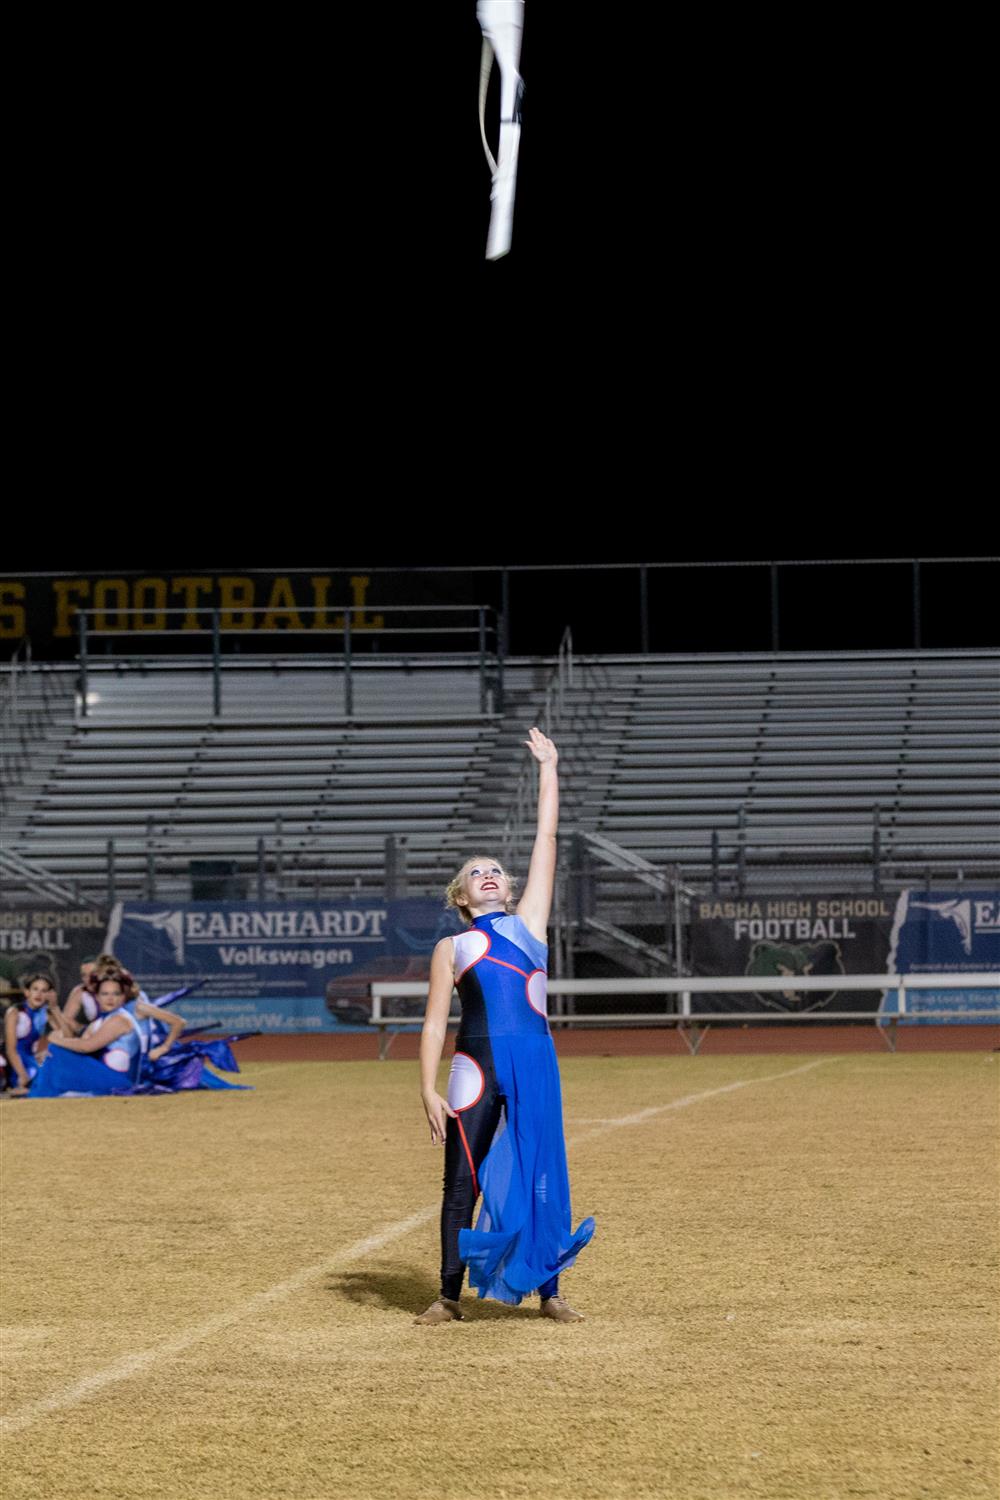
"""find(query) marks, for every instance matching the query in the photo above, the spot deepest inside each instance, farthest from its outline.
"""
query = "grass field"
(792, 1291)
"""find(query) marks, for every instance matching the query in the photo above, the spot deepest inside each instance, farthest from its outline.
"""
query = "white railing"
(688, 1019)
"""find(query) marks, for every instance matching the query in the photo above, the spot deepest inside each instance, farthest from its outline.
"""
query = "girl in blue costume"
(25, 1025)
(80, 1007)
(109, 1057)
(501, 1124)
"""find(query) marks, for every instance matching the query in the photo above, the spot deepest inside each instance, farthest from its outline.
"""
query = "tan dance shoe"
(441, 1310)
(560, 1311)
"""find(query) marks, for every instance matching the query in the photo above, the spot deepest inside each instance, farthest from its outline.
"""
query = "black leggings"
(469, 1135)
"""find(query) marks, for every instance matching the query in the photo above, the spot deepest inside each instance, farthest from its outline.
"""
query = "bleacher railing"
(29, 694)
(476, 631)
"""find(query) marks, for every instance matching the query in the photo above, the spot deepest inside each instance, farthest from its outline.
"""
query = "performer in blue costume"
(109, 1057)
(133, 1046)
(24, 1028)
(501, 1124)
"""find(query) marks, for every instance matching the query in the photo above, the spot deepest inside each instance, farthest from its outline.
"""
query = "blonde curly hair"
(456, 887)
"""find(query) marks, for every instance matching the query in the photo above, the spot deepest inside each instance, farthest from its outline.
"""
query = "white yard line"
(135, 1364)
(643, 1115)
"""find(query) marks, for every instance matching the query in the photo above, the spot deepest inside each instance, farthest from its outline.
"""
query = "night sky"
(729, 327)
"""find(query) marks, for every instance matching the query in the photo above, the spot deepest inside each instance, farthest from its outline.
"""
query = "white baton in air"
(502, 23)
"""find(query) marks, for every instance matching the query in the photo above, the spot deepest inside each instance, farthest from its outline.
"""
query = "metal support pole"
(261, 869)
(562, 950)
(581, 882)
(348, 685)
(505, 612)
(482, 660)
(279, 872)
(81, 623)
(678, 925)
(741, 851)
(876, 851)
(916, 604)
(775, 633)
(644, 610)
(715, 861)
(501, 651)
(150, 862)
(216, 666)
(112, 892)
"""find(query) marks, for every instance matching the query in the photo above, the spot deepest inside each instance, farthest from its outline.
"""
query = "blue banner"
(278, 965)
(945, 932)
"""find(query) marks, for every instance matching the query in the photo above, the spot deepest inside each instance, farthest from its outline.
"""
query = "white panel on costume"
(116, 1059)
(465, 1082)
(470, 946)
(538, 992)
(23, 1023)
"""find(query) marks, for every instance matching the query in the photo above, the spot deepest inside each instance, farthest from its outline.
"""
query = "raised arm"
(432, 1038)
(536, 903)
(71, 1011)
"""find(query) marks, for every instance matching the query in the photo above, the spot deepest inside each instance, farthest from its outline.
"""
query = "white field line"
(643, 1115)
(135, 1364)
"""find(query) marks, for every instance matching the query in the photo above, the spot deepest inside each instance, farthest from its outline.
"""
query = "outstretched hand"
(542, 747)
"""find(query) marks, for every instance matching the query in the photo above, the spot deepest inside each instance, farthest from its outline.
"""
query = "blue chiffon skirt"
(524, 1235)
(185, 1066)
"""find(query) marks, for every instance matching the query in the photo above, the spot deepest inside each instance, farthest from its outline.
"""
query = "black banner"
(54, 938)
(133, 607)
(785, 936)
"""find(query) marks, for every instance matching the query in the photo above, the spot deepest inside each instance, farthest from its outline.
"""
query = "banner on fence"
(45, 606)
(54, 938)
(278, 965)
(784, 936)
(945, 932)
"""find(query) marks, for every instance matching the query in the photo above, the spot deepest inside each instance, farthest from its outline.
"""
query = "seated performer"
(115, 1045)
(25, 1025)
(80, 1007)
(501, 1123)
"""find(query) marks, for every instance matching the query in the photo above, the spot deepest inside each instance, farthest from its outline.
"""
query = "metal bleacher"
(811, 771)
(153, 770)
(793, 761)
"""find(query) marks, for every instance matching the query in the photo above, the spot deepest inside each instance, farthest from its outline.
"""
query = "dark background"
(715, 606)
(735, 322)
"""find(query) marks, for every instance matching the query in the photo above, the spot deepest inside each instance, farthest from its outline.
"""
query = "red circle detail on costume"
(537, 990)
(470, 947)
(466, 1082)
